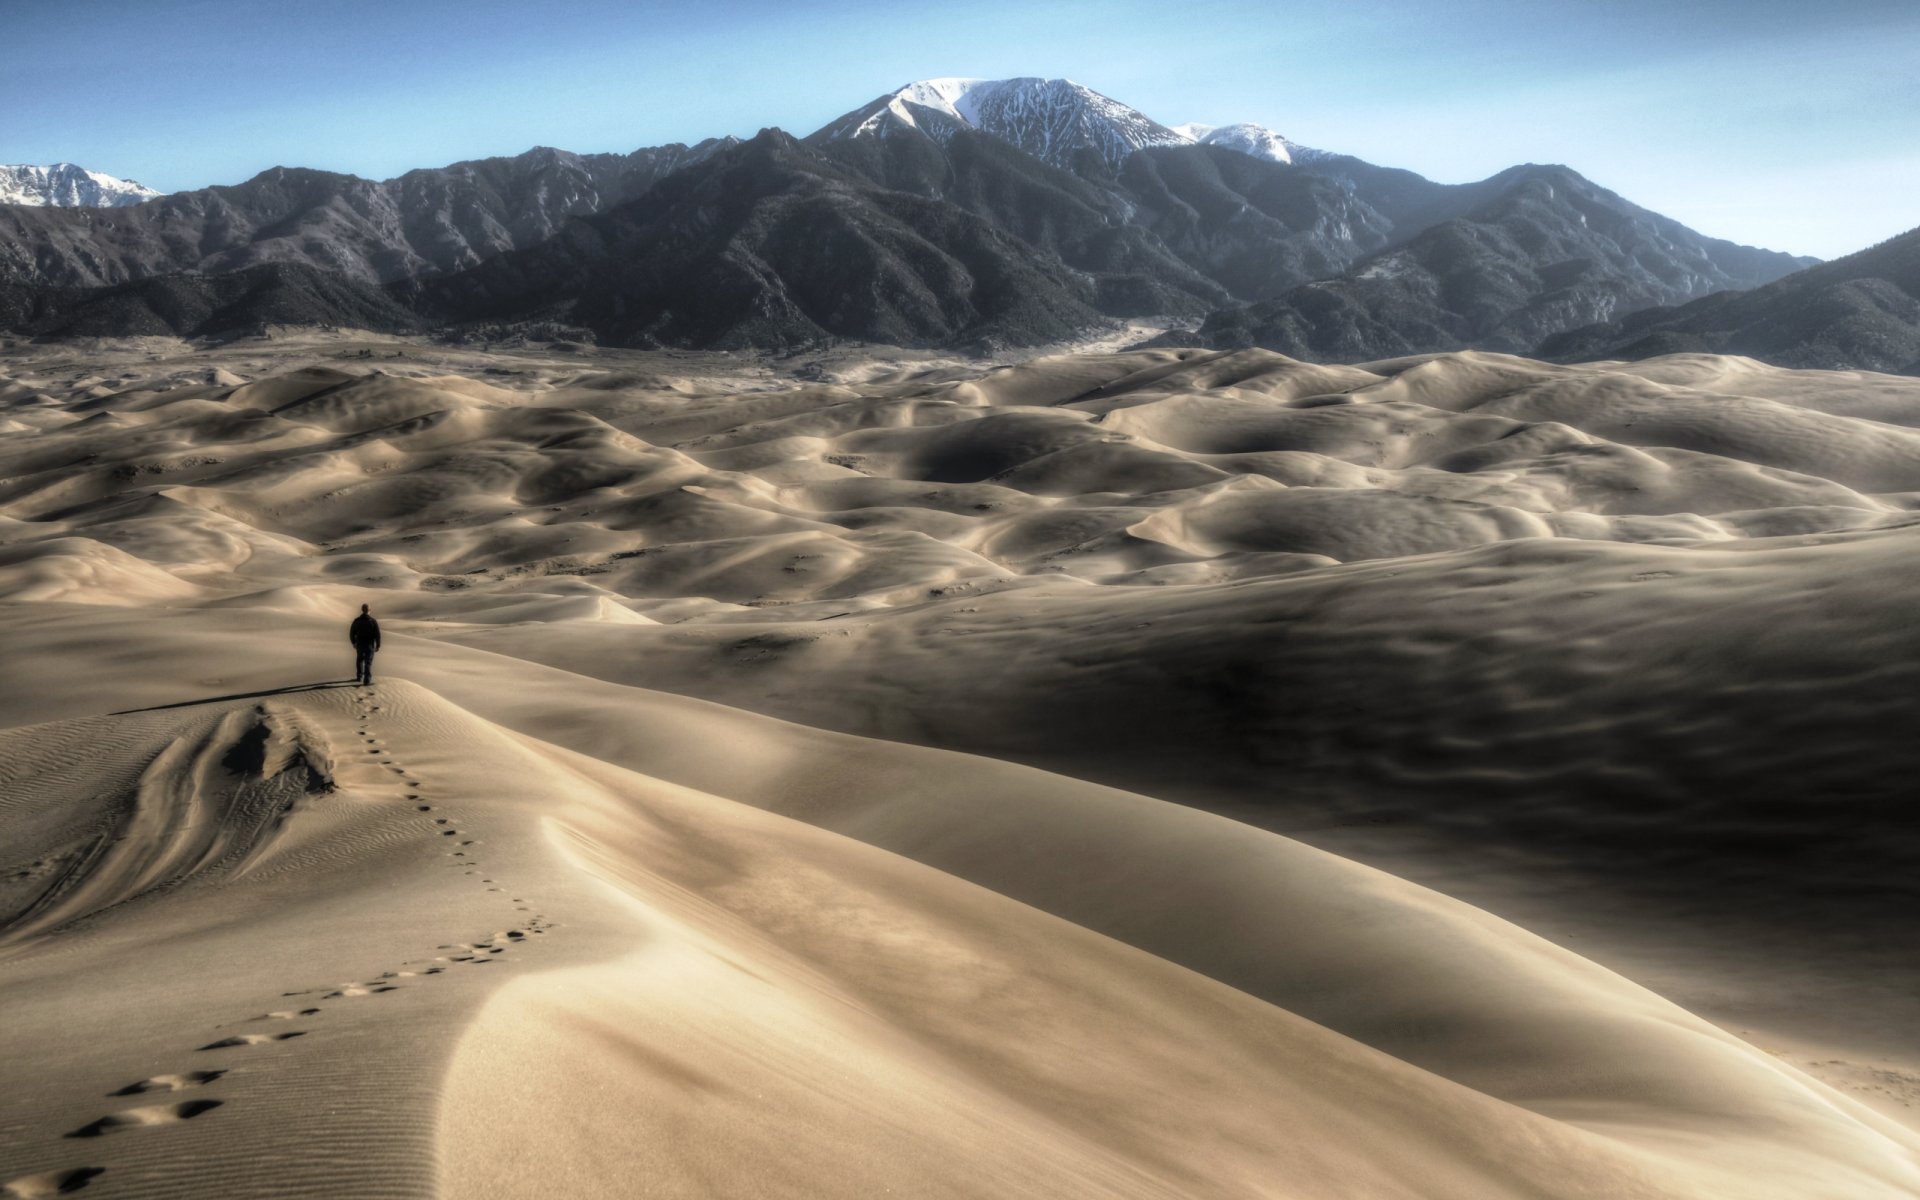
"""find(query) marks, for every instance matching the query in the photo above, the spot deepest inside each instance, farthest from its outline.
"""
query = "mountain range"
(1527, 254)
(424, 222)
(950, 212)
(1861, 312)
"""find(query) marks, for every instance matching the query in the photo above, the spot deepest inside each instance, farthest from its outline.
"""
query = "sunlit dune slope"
(961, 1003)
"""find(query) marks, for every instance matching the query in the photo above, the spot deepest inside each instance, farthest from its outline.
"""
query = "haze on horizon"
(1759, 121)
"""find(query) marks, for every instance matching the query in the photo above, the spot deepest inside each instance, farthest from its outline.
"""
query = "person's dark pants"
(363, 664)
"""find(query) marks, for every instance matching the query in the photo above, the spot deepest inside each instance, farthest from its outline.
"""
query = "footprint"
(288, 1014)
(51, 1183)
(253, 1039)
(151, 1114)
(170, 1083)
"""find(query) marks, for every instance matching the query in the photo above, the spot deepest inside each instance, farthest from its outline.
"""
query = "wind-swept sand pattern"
(534, 915)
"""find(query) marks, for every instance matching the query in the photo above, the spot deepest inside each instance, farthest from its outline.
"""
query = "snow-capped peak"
(1255, 140)
(64, 185)
(1051, 119)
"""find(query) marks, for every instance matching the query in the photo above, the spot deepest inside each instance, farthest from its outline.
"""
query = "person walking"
(364, 633)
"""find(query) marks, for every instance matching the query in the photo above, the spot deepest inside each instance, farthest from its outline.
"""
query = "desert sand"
(1128, 774)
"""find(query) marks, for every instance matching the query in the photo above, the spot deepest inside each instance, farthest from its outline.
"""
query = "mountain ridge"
(1860, 312)
(950, 189)
(426, 221)
(1511, 260)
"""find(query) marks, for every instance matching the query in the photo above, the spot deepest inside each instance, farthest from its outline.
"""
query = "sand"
(1161, 773)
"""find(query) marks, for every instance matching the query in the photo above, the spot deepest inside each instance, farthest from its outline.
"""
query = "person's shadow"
(298, 687)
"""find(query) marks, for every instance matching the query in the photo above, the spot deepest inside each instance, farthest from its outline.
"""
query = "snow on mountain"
(1051, 119)
(1255, 140)
(64, 185)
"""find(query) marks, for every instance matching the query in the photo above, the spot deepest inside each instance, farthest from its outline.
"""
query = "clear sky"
(1782, 123)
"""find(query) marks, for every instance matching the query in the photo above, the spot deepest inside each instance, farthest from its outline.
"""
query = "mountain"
(64, 185)
(1177, 225)
(203, 305)
(1861, 312)
(914, 240)
(1055, 120)
(1091, 227)
(1255, 140)
(768, 244)
(1506, 263)
(424, 222)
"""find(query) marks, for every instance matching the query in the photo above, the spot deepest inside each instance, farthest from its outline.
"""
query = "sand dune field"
(1140, 774)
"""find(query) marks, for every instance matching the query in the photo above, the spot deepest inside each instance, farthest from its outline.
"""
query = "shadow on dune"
(298, 687)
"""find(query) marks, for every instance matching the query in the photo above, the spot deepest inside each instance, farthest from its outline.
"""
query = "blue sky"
(1790, 125)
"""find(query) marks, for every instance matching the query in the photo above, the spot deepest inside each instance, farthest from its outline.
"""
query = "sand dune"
(1610, 650)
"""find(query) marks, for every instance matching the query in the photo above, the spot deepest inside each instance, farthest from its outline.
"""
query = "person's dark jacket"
(364, 633)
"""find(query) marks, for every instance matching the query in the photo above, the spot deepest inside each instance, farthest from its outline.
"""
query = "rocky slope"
(1519, 257)
(771, 245)
(1184, 223)
(424, 222)
(1861, 312)
(203, 305)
